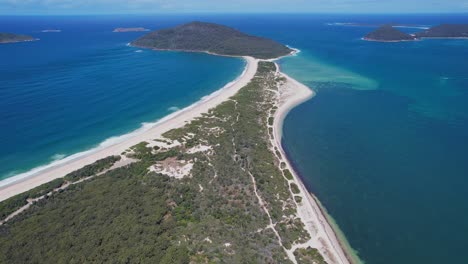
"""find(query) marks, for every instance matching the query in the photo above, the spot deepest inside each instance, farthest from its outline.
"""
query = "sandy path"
(19, 184)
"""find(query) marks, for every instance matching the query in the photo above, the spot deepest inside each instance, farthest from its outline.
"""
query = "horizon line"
(236, 13)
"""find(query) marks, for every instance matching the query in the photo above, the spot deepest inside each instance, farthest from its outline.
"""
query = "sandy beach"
(324, 238)
(291, 94)
(22, 183)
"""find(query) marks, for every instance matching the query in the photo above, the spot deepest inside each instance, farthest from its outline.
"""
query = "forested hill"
(10, 38)
(388, 33)
(214, 38)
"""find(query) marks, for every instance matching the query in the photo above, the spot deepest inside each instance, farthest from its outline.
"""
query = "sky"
(69, 7)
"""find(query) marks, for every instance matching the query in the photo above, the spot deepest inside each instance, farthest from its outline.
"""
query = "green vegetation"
(208, 37)
(288, 174)
(14, 203)
(292, 230)
(294, 188)
(388, 33)
(11, 38)
(270, 121)
(298, 199)
(92, 169)
(308, 256)
(135, 215)
(445, 31)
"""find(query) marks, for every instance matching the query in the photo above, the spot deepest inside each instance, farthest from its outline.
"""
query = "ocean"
(382, 144)
(84, 87)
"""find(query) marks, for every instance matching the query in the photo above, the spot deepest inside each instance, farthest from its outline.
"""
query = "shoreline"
(19, 41)
(390, 41)
(349, 252)
(315, 218)
(323, 236)
(116, 145)
(416, 39)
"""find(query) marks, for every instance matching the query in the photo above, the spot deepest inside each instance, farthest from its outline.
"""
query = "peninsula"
(388, 33)
(135, 29)
(13, 38)
(209, 183)
(212, 38)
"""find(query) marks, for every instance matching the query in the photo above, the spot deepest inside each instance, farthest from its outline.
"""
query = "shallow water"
(384, 147)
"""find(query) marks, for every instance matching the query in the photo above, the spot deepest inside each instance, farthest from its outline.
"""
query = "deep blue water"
(72, 90)
(383, 144)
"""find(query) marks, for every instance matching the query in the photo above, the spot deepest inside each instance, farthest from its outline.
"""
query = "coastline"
(19, 41)
(349, 252)
(416, 39)
(114, 146)
(332, 246)
(324, 237)
(390, 41)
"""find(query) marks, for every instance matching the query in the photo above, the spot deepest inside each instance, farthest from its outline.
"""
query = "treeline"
(14, 203)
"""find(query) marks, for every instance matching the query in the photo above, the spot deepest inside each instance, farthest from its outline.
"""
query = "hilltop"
(213, 38)
(388, 33)
(12, 38)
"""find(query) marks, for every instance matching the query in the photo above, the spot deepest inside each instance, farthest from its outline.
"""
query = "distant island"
(212, 38)
(388, 33)
(135, 29)
(13, 38)
(378, 25)
(51, 31)
(445, 31)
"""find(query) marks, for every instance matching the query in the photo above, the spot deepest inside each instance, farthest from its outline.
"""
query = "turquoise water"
(73, 90)
(383, 144)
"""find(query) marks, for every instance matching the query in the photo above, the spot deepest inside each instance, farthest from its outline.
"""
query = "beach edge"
(339, 245)
(43, 174)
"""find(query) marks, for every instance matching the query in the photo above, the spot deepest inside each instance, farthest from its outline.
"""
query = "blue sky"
(16, 7)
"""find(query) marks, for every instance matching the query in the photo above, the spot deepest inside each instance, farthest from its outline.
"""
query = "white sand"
(324, 238)
(20, 183)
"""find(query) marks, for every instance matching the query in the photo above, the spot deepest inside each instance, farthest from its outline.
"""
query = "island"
(135, 29)
(377, 25)
(212, 38)
(209, 184)
(445, 31)
(13, 38)
(387, 33)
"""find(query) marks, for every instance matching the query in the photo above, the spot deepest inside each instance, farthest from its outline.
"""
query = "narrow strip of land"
(287, 94)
